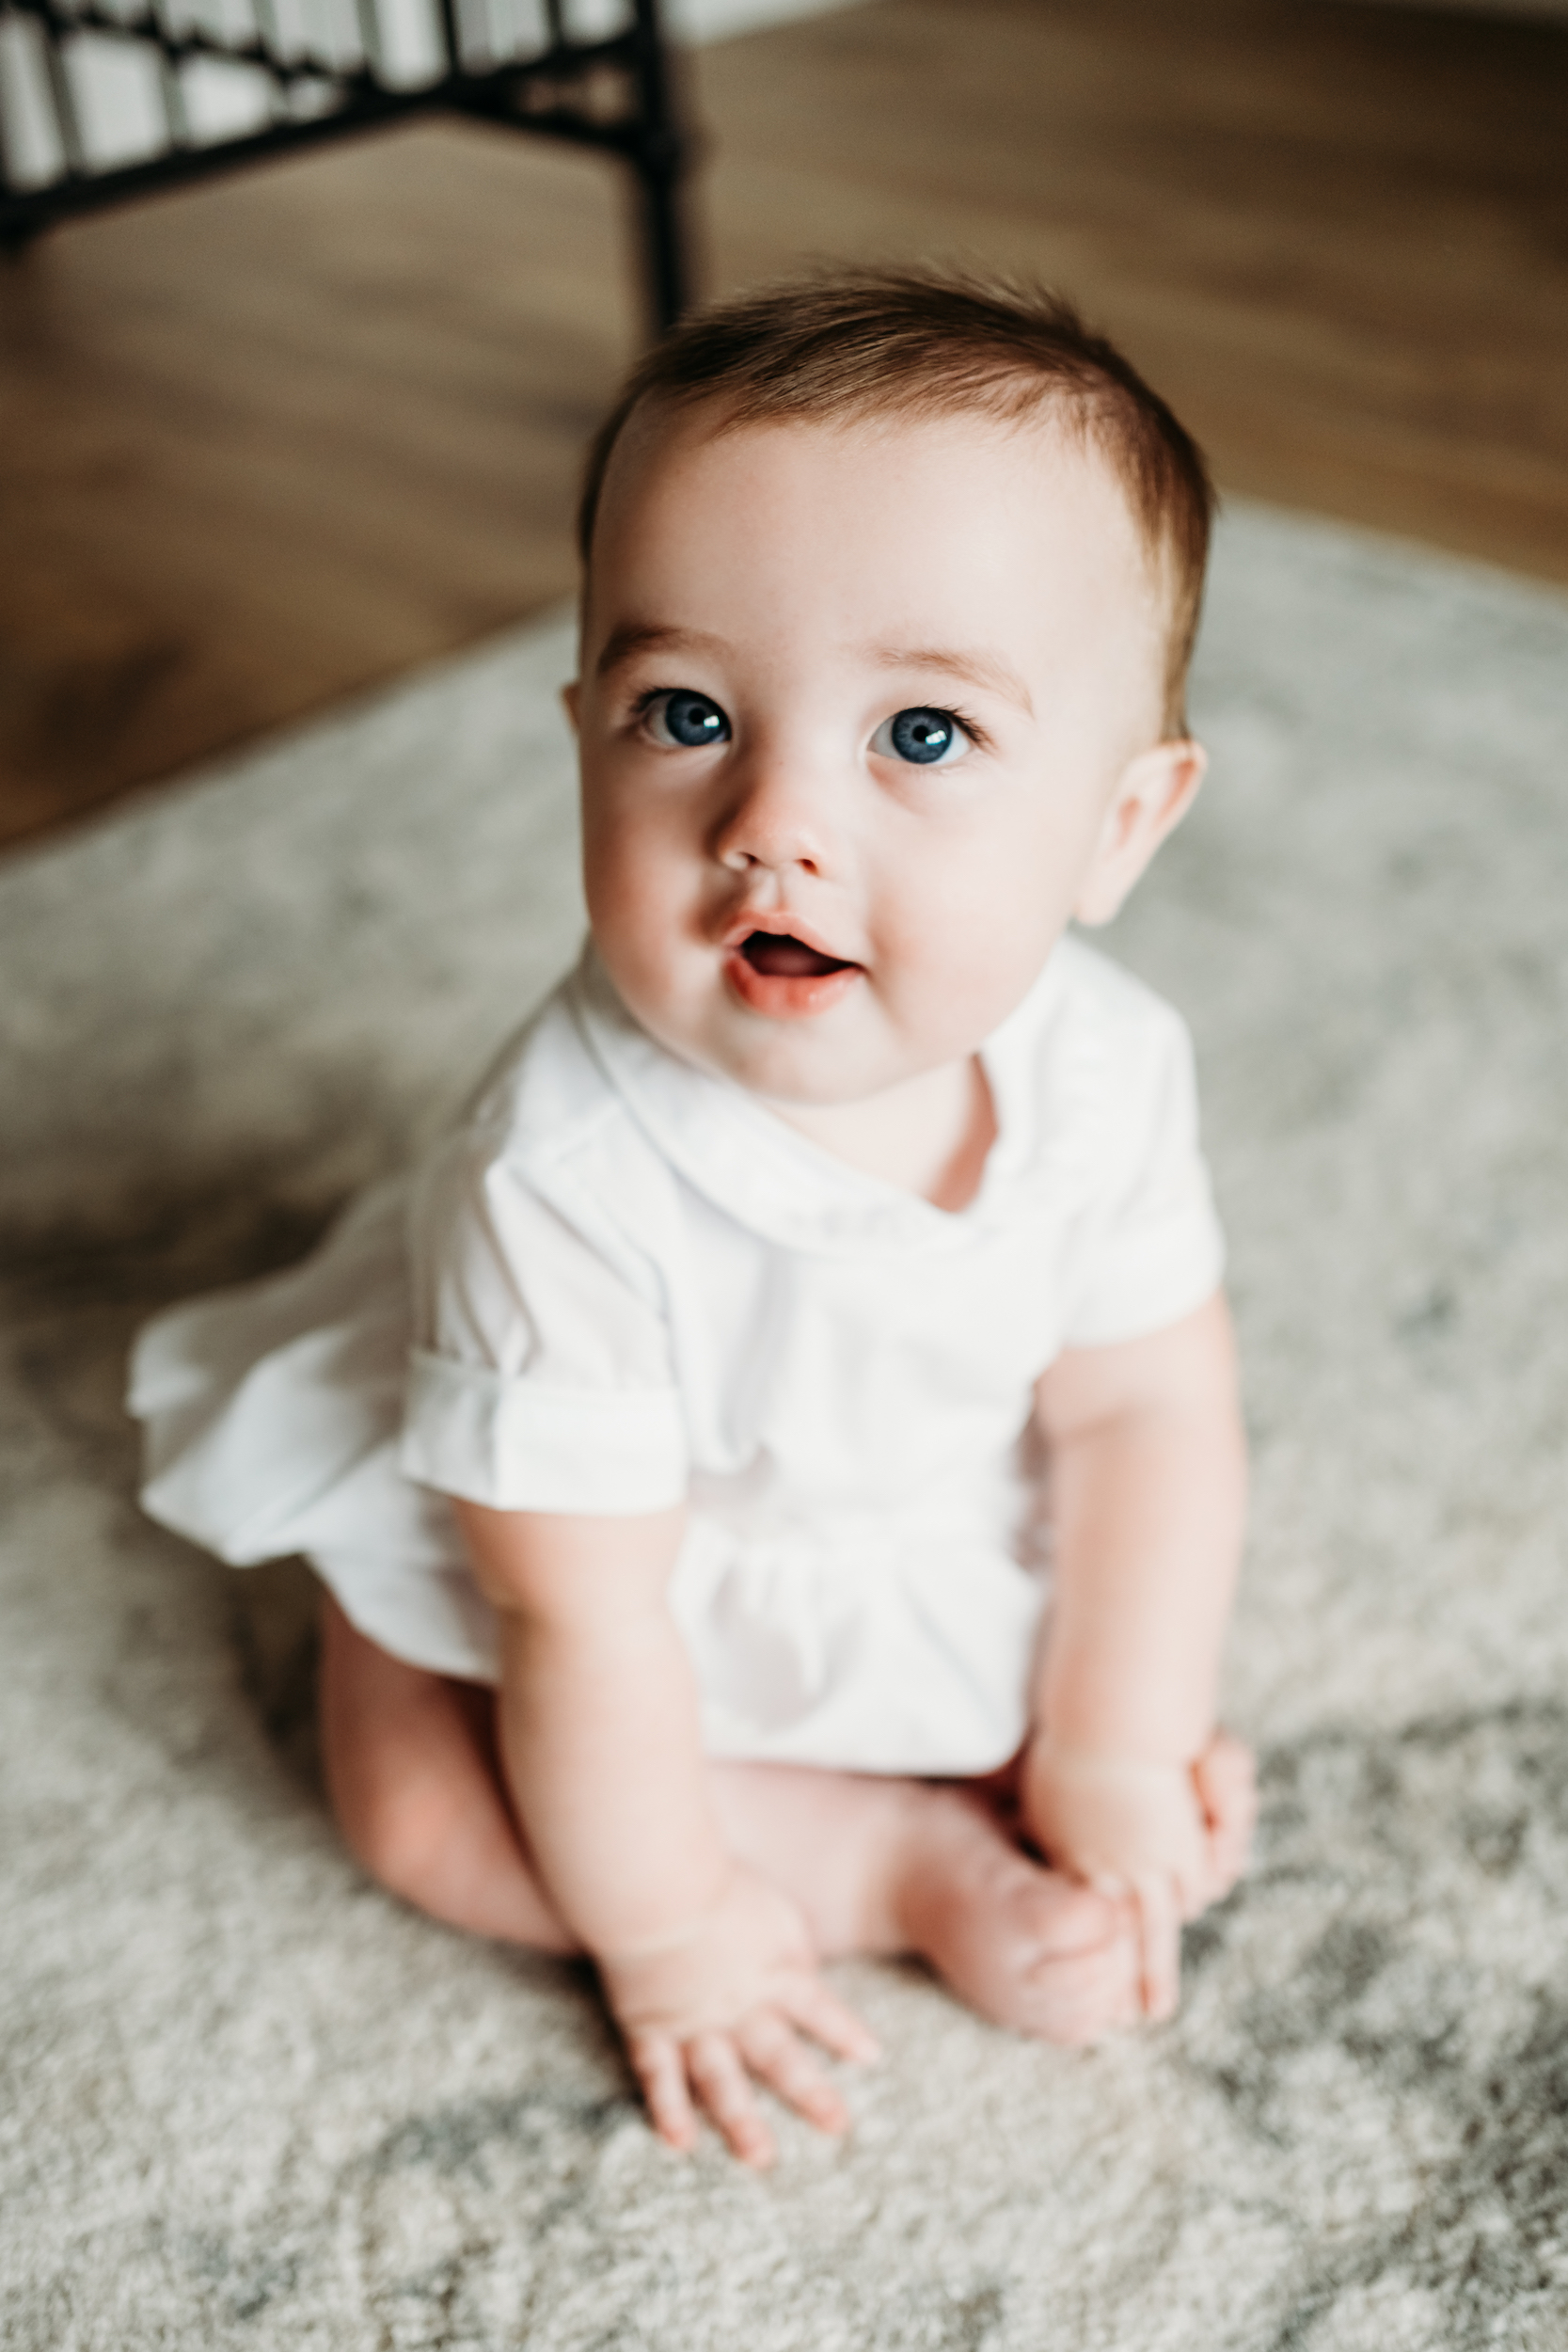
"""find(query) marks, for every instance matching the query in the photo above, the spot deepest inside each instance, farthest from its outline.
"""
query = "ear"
(571, 703)
(1155, 793)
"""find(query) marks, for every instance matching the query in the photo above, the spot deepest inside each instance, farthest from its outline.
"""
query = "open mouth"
(778, 957)
(785, 978)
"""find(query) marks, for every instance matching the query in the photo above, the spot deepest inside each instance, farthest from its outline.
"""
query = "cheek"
(636, 879)
(621, 849)
(974, 909)
(618, 881)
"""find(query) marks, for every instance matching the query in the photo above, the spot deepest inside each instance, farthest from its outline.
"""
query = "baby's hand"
(725, 2003)
(1174, 1837)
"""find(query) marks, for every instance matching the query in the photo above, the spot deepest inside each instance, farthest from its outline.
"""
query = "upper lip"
(783, 925)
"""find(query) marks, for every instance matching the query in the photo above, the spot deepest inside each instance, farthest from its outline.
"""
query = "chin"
(808, 1081)
(784, 1067)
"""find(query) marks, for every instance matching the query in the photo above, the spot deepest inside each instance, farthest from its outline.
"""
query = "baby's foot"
(1026, 1948)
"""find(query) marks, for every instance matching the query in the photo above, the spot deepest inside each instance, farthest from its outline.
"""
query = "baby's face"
(856, 713)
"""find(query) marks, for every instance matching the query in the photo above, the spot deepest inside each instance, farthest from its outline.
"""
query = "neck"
(929, 1135)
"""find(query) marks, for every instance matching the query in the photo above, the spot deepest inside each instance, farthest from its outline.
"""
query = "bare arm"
(709, 1970)
(598, 1719)
(1148, 1485)
(1148, 1481)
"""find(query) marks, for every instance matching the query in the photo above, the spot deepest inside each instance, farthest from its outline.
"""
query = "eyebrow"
(623, 645)
(979, 669)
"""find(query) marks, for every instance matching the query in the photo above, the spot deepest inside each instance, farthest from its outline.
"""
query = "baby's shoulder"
(1094, 1018)
(1104, 993)
(546, 1118)
(1095, 1067)
(544, 1091)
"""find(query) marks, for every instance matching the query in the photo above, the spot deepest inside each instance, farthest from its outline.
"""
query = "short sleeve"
(1157, 1250)
(538, 1372)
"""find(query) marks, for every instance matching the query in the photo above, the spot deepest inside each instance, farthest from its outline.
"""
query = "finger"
(1189, 1887)
(1226, 1781)
(808, 2002)
(714, 2067)
(1194, 1882)
(1093, 1913)
(660, 2070)
(1160, 1945)
(1227, 1859)
(775, 2056)
(1226, 1778)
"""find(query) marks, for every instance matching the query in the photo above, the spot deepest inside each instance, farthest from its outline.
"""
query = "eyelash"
(961, 719)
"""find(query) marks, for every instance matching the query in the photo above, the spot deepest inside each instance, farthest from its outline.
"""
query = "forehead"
(806, 550)
(934, 490)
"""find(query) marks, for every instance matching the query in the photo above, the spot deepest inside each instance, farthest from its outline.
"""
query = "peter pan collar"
(1044, 1069)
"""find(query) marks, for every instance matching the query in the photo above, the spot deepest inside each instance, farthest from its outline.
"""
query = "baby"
(776, 1471)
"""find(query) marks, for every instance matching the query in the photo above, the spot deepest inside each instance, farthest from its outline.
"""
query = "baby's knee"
(400, 1828)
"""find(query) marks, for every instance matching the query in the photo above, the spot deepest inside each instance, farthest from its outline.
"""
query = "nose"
(777, 819)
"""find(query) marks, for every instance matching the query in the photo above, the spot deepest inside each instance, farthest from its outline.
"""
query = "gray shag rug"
(249, 2101)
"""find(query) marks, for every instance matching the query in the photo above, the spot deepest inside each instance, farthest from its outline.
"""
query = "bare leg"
(416, 1784)
(879, 1866)
(890, 1866)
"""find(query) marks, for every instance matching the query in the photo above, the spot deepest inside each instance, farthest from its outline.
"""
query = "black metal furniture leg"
(659, 158)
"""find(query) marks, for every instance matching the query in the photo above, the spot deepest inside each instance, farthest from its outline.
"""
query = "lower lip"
(780, 999)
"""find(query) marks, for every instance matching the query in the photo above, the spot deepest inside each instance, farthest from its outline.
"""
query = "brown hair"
(918, 342)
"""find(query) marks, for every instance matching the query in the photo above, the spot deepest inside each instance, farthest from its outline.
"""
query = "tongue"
(781, 958)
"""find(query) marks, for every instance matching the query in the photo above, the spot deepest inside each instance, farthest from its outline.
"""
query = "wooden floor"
(267, 443)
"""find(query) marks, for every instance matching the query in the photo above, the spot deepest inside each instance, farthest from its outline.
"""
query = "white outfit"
(620, 1281)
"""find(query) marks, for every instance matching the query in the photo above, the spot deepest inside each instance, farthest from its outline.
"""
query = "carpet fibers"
(248, 2102)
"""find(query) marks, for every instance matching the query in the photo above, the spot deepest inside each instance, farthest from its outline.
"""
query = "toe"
(1074, 2003)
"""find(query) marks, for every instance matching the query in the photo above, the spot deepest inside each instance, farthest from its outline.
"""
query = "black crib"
(595, 73)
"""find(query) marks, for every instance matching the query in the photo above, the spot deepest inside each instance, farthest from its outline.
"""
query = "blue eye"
(927, 738)
(685, 719)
